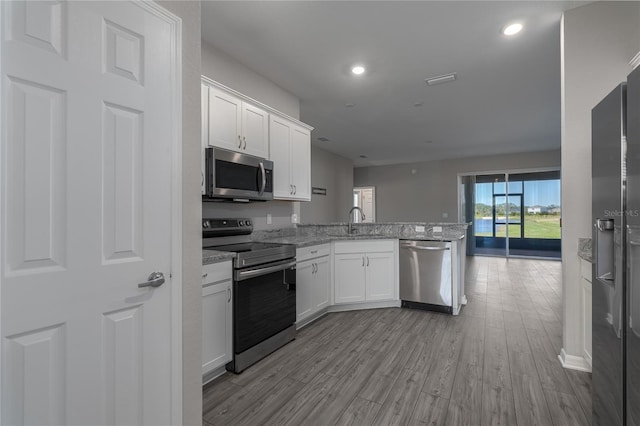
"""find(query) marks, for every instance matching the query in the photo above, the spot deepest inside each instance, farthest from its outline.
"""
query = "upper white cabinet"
(290, 151)
(234, 124)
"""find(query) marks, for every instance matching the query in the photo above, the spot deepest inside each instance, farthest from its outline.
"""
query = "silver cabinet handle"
(244, 138)
(367, 260)
(291, 189)
(229, 293)
(239, 142)
(362, 260)
(156, 279)
(205, 275)
(314, 251)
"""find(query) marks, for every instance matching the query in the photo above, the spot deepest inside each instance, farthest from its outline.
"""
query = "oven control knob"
(248, 223)
(205, 223)
(241, 223)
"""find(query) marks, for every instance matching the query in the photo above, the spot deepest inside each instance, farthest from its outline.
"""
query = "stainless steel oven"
(264, 289)
(264, 311)
(233, 176)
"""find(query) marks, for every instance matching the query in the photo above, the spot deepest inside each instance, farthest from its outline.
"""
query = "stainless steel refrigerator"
(616, 248)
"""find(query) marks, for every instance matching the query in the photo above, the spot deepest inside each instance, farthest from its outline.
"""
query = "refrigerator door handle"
(604, 251)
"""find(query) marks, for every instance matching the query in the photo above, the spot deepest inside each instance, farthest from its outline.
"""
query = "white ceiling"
(506, 98)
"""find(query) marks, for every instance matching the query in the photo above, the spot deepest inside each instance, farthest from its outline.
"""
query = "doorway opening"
(364, 197)
(512, 214)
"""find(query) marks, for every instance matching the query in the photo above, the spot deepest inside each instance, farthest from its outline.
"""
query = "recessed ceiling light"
(441, 79)
(427, 142)
(418, 103)
(358, 69)
(349, 105)
(363, 156)
(323, 139)
(512, 29)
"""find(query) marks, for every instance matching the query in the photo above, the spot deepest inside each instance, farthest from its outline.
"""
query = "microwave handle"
(264, 178)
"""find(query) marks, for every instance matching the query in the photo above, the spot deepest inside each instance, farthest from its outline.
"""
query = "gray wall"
(599, 40)
(189, 11)
(335, 174)
(423, 192)
(224, 69)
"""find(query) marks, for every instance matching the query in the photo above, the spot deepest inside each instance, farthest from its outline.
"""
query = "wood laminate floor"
(494, 364)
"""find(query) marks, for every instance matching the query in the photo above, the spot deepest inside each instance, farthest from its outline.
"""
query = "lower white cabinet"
(312, 281)
(217, 331)
(365, 271)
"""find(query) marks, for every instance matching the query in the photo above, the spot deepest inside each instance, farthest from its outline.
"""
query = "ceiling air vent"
(323, 139)
(441, 79)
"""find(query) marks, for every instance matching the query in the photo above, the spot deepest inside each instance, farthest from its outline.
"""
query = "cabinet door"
(304, 284)
(279, 153)
(320, 291)
(255, 130)
(349, 282)
(225, 112)
(301, 163)
(380, 276)
(216, 326)
(204, 131)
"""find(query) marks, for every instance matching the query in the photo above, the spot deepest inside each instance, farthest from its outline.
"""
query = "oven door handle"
(256, 272)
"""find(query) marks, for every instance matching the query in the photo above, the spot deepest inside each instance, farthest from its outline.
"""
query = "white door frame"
(176, 202)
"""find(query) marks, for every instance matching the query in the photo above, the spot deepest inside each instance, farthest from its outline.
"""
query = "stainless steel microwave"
(233, 176)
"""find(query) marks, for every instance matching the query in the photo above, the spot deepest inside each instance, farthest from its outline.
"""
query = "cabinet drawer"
(363, 246)
(312, 252)
(216, 272)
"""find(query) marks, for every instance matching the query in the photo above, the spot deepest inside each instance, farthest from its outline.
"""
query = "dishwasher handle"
(410, 247)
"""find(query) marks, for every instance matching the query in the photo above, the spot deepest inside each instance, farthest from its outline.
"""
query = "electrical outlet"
(269, 219)
(419, 229)
(437, 229)
(294, 218)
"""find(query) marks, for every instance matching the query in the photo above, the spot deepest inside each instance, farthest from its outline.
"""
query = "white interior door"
(86, 213)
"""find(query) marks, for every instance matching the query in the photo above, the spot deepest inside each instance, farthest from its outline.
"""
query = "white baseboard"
(573, 362)
(365, 305)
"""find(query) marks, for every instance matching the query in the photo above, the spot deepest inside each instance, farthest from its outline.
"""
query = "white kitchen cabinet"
(290, 151)
(365, 271)
(379, 276)
(350, 277)
(217, 310)
(312, 281)
(235, 124)
(204, 133)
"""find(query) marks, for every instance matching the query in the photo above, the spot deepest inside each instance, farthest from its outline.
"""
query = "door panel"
(87, 168)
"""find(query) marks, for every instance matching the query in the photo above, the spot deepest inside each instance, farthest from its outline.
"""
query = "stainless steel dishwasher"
(426, 275)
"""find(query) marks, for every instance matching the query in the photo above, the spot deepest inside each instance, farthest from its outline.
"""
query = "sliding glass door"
(513, 214)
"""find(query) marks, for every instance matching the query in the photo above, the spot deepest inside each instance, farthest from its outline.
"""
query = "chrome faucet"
(362, 216)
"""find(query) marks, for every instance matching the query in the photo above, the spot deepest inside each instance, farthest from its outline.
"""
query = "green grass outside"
(535, 226)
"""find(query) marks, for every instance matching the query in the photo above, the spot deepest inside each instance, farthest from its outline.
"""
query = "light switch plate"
(419, 229)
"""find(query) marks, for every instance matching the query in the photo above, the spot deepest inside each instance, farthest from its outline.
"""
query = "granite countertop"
(584, 249)
(215, 256)
(312, 240)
